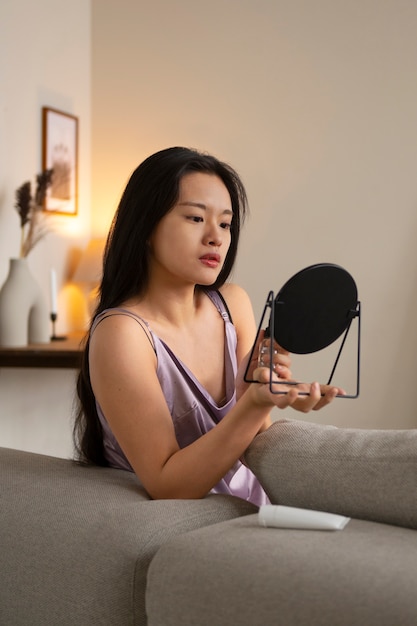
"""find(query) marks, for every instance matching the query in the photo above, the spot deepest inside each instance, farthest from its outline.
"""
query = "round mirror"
(314, 308)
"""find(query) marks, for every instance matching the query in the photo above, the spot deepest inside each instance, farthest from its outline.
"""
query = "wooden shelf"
(65, 353)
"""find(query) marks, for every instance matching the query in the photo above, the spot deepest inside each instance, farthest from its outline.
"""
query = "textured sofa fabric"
(367, 474)
(237, 572)
(76, 542)
(81, 546)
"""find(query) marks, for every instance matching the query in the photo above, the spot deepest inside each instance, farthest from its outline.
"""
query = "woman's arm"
(124, 380)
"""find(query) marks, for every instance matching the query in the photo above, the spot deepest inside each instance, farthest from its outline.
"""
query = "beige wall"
(315, 104)
(44, 61)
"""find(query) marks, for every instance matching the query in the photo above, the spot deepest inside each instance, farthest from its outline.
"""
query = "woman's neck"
(173, 307)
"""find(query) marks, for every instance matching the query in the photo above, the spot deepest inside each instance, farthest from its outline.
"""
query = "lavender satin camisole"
(193, 410)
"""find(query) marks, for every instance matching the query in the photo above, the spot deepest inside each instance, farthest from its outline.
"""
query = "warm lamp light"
(89, 269)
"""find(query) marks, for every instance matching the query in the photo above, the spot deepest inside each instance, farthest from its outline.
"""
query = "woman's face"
(190, 243)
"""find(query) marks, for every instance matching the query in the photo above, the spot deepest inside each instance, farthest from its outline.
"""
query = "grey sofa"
(86, 546)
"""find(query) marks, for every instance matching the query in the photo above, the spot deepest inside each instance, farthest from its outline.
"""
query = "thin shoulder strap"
(111, 312)
(218, 300)
(225, 306)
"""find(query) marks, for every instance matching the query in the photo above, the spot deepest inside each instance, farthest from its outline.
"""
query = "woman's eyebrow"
(200, 205)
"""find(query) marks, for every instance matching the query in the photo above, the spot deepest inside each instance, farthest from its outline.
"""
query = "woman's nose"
(213, 235)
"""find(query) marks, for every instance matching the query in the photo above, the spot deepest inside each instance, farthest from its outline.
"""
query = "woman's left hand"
(315, 396)
(311, 396)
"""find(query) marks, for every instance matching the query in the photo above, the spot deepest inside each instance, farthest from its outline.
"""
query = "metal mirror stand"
(313, 309)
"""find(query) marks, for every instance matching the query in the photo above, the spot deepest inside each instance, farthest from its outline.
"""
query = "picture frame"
(60, 153)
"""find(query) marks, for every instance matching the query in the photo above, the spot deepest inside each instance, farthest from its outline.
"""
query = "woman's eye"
(195, 218)
(226, 226)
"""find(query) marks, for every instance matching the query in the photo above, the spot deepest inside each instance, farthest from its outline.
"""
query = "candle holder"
(54, 337)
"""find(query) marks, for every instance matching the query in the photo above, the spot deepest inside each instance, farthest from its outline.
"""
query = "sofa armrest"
(76, 542)
(367, 474)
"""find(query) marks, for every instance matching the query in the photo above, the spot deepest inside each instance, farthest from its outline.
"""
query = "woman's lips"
(210, 260)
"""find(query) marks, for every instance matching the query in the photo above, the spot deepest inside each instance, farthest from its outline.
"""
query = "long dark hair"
(150, 193)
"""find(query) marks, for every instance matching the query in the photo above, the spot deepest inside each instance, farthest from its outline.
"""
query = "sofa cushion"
(76, 542)
(368, 474)
(238, 572)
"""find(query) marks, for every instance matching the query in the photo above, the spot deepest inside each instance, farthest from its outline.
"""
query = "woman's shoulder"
(116, 312)
(237, 300)
(234, 294)
(120, 327)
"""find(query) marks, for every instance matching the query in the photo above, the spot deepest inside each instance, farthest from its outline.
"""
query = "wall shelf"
(60, 354)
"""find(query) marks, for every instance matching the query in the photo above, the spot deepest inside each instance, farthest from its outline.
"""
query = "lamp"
(313, 309)
(89, 269)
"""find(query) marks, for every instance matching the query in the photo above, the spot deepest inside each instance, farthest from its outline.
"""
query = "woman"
(161, 386)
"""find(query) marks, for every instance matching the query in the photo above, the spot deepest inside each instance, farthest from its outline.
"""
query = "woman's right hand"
(281, 358)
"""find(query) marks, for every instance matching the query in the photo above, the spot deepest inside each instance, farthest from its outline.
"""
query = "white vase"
(23, 313)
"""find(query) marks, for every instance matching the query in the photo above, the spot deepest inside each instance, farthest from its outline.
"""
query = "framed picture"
(60, 153)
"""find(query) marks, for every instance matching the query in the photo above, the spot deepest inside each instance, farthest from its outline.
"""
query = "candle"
(54, 307)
